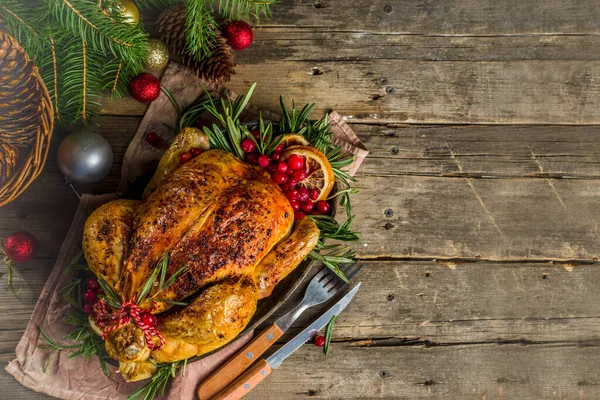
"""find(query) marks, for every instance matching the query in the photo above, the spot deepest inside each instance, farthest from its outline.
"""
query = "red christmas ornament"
(20, 246)
(145, 88)
(239, 35)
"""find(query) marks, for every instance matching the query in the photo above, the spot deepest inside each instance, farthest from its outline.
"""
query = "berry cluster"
(187, 156)
(289, 175)
(90, 298)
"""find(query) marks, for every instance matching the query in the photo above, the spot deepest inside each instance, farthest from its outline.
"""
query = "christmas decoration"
(26, 120)
(239, 35)
(18, 247)
(158, 55)
(145, 88)
(80, 48)
(215, 68)
(84, 157)
(129, 12)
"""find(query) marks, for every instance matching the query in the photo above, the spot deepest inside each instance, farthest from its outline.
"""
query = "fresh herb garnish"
(328, 333)
(158, 381)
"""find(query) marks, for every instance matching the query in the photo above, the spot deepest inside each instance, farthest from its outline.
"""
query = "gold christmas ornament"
(130, 11)
(158, 55)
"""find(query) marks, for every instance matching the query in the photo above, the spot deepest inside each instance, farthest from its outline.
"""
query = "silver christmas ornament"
(84, 157)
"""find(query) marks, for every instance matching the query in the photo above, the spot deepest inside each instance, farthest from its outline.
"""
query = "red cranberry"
(152, 138)
(248, 146)
(291, 194)
(93, 285)
(185, 157)
(90, 297)
(279, 178)
(295, 205)
(307, 206)
(319, 341)
(195, 152)
(272, 168)
(295, 162)
(292, 181)
(303, 194)
(314, 194)
(298, 215)
(323, 207)
(255, 133)
(282, 167)
(276, 156)
(88, 309)
(149, 319)
(263, 161)
(252, 158)
(279, 148)
(299, 175)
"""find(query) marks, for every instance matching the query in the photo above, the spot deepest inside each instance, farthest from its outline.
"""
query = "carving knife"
(259, 371)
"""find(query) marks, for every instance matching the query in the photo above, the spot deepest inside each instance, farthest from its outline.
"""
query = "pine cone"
(217, 68)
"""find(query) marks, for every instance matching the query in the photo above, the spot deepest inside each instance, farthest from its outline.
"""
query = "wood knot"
(388, 213)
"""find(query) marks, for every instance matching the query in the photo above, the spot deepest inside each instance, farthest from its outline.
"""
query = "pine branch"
(200, 29)
(107, 34)
(236, 8)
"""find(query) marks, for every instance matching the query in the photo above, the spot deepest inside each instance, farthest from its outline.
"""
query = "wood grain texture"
(457, 372)
(440, 17)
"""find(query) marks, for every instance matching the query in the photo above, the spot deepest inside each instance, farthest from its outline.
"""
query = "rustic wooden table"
(478, 205)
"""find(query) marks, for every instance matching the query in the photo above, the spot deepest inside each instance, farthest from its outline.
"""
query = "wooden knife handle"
(246, 382)
(239, 363)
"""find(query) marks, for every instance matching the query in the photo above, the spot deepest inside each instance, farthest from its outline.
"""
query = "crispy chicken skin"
(228, 223)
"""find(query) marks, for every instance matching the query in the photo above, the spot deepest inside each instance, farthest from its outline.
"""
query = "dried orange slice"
(293, 139)
(319, 174)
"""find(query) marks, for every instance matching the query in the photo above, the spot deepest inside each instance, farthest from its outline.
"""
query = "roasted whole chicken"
(226, 222)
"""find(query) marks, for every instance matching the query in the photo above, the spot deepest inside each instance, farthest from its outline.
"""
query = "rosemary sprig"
(158, 382)
(110, 296)
(157, 279)
(50, 344)
(328, 333)
(266, 141)
(89, 343)
(229, 135)
(332, 229)
(294, 122)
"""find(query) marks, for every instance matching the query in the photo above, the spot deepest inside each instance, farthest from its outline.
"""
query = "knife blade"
(277, 358)
(248, 380)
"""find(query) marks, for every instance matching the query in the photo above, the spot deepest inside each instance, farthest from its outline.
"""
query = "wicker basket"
(26, 120)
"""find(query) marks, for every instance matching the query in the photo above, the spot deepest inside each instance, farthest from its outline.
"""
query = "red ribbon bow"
(129, 312)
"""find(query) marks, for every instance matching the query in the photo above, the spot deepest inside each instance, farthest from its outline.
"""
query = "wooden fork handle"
(239, 362)
(246, 382)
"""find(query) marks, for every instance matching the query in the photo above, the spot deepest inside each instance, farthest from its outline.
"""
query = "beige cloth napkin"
(75, 378)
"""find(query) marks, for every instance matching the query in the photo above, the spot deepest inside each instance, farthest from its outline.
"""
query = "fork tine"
(321, 273)
(354, 272)
(337, 284)
(327, 280)
(347, 267)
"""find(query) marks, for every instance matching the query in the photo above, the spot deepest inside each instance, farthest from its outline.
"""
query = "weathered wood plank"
(488, 151)
(548, 92)
(440, 17)
(301, 44)
(496, 219)
(511, 372)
